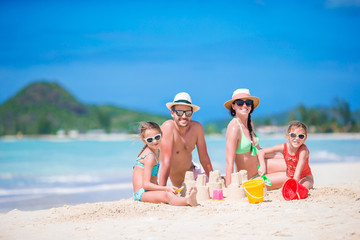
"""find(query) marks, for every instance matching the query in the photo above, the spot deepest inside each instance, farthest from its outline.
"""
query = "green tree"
(303, 114)
(267, 121)
(211, 129)
(292, 116)
(44, 125)
(104, 120)
(342, 108)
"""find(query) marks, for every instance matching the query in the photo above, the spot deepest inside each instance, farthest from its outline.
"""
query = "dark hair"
(297, 124)
(249, 126)
(143, 126)
(233, 113)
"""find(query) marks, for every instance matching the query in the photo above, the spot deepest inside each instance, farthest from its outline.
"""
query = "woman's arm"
(232, 142)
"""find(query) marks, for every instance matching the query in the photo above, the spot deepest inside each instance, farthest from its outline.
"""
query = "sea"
(42, 173)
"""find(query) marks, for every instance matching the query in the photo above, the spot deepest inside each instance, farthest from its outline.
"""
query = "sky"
(139, 54)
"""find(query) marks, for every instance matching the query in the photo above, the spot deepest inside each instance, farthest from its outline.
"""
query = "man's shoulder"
(196, 128)
(167, 124)
(196, 124)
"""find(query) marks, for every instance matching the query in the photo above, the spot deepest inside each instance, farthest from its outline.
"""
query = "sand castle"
(235, 190)
(200, 183)
(206, 190)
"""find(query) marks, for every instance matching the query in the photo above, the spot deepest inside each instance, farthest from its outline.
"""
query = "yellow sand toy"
(179, 189)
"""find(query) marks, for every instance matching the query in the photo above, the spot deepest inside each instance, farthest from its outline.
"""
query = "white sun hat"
(184, 99)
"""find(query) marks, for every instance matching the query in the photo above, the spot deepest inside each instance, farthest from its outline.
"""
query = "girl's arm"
(232, 142)
(266, 151)
(303, 155)
(149, 162)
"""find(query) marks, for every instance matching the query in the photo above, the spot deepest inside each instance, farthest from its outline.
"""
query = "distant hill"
(46, 107)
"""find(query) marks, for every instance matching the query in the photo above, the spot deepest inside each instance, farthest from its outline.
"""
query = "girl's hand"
(171, 189)
(261, 170)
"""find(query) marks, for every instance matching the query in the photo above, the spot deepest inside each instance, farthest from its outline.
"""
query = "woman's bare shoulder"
(233, 125)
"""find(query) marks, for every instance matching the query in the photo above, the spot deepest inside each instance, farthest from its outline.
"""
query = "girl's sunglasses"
(179, 113)
(151, 139)
(300, 136)
(241, 102)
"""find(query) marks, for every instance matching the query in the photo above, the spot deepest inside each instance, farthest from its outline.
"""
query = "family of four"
(172, 145)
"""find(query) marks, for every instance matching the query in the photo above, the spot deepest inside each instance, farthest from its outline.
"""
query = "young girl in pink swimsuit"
(296, 155)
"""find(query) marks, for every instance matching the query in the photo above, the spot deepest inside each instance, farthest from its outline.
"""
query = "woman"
(242, 143)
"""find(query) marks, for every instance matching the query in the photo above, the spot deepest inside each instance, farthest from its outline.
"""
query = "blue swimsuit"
(138, 194)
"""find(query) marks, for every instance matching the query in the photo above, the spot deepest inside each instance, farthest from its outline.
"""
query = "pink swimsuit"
(292, 161)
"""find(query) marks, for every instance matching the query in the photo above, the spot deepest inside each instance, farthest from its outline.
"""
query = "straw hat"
(242, 93)
(184, 99)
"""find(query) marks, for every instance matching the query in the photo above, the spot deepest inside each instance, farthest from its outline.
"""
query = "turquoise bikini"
(245, 144)
(138, 194)
(155, 168)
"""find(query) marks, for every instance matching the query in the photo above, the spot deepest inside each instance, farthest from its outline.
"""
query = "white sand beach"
(332, 211)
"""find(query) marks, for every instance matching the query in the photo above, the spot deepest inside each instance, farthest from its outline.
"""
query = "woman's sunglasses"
(241, 102)
(179, 113)
(151, 139)
(300, 136)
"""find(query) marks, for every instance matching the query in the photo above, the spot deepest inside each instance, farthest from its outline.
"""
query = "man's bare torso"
(181, 157)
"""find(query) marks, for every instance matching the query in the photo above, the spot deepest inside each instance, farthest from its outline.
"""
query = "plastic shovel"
(266, 180)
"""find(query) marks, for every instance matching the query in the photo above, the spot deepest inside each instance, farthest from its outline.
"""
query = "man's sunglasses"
(241, 102)
(151, 139)
(300, 136)
(179, 113)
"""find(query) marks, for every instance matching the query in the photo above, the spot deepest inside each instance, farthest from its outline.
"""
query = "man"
(180, 135)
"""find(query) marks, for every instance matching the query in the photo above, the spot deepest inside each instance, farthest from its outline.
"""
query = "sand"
(332, 211)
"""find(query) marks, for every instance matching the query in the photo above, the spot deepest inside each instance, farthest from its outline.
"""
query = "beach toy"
(266, 180)
(254, 190)
(292, 190)
(179, 189)
(218, 194)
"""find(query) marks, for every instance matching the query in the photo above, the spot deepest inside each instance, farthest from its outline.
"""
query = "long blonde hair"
(143, 126)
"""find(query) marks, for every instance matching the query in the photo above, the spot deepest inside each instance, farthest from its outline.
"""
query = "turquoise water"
(36, 174)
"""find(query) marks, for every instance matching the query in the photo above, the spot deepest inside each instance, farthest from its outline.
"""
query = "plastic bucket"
(292, 190)
(218, 194)
(254, 190)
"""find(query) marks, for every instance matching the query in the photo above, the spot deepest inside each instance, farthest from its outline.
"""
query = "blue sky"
(139, 54)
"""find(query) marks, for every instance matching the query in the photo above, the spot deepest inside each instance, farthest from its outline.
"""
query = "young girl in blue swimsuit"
(145, 180)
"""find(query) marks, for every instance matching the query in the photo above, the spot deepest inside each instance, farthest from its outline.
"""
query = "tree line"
(337, 118)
